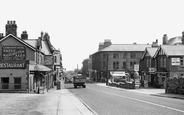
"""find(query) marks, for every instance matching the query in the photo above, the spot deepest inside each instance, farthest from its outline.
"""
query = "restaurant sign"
(12, 65)
(13, 53)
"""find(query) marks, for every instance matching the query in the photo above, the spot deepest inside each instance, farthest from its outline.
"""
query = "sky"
(76, 27)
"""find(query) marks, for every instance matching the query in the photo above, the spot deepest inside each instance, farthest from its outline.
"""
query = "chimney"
(155, 44)
(101, 46)
(107, 42)
(182, 38)
(165, 39)
(24, 35)
(1, 36)
(11, 28)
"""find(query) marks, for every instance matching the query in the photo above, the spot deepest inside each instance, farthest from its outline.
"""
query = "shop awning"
(118, 73)
(38, 67)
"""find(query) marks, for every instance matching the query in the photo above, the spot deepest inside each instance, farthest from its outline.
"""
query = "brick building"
(116, 58)
(25, 64)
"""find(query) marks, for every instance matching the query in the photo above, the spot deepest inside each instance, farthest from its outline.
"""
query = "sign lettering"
(13, 53)
(12, 65)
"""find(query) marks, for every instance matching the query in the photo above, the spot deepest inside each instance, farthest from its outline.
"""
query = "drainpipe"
(107, 69)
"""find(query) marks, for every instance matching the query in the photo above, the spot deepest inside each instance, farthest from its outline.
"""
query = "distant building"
(117, 57)
(87, 67)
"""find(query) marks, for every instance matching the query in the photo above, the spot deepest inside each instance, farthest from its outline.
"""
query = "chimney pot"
(165, 39)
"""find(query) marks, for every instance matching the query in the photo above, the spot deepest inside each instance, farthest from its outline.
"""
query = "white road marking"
(182, 111)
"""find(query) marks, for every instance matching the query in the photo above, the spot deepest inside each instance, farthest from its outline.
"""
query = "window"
(55, 59)
(115, 55)
(182, 75)
(104, 55)
(132, 55)
(5, 82)
(161, 61)
(164, 60)
(104, 65)
(17, 82)
(181, 61)
(148, 62)
(124, 65)
(115, 65)
(124, 55)
(131, 64)
(155, 63)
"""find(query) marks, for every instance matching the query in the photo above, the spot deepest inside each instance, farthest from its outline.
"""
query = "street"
(98, 99)
(109, 101)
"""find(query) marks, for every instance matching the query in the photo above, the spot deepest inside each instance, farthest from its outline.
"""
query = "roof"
(150, 51)
(173, 50)
(126, 47)
(20, 40)
(37, 67)
(32, 42)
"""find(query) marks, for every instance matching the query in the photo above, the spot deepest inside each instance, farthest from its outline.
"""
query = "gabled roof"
(149, 51)
(171, 50)
(126, 47)
(20, 40)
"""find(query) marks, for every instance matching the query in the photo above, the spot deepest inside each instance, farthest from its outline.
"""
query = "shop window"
(5, 82)
(17, 83)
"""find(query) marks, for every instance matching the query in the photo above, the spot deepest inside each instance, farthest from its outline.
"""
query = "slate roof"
(173, 50)
(126, 47)
(20, 40)
(32, 42)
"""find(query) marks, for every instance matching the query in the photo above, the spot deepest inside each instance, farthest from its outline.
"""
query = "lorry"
(79, 80)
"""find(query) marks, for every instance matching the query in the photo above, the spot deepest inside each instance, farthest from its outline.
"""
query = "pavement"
(69, 104)
(150, 91)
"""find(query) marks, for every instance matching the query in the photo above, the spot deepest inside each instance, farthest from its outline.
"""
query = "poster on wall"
(49, 60)
(13, 53)
(175, 61)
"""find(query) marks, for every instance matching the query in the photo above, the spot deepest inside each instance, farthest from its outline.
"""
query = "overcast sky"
(77, 26)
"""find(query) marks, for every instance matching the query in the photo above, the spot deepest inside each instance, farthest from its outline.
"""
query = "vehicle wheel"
(75, 86)
(84, 86)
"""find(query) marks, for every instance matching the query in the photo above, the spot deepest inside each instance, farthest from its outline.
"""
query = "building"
(148, 66)
(26, 65)
(170, 69)
(87, 67)
(117, 58)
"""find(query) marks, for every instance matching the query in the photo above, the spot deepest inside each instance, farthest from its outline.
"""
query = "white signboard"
(136, 67)
(175, 61)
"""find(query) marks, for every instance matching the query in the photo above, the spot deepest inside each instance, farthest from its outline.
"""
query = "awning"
(38, 67)
(118, 73)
